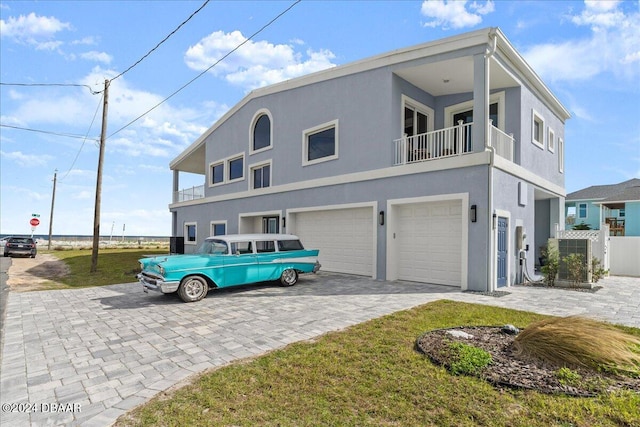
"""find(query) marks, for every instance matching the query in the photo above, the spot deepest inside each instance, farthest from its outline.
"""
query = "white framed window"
(320, 143)
(464, 111)
(235, 168)
(261, 132)
(190, 233)
(560, 155)
(537, 129)
(551, 140)
(216, 173)
(582, 210)
(260, 175)
(416, 117)
(218, 228)
(227, 170)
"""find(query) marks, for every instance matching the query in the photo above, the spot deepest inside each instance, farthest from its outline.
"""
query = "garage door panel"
(429, 242)
(343, 236)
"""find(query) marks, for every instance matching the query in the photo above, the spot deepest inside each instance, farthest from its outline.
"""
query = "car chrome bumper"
(157, 284)
(316, 267)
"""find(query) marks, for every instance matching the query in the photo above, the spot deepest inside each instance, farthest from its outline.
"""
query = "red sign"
(34, 222)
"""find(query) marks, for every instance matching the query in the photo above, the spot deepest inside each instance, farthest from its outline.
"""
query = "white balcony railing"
(501, 143)
(447, 142)
(192, 193)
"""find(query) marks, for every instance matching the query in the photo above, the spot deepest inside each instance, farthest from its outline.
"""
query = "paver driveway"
(96, 353)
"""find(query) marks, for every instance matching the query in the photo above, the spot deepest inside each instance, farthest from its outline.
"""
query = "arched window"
(262, 133)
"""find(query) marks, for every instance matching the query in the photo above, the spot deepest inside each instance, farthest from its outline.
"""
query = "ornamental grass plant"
(576, 341)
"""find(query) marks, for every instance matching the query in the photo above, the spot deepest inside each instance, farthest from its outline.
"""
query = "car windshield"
(21, 240)
(213, 247)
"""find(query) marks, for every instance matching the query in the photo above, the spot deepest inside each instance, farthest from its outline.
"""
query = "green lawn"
(114, 266)
(371, 375)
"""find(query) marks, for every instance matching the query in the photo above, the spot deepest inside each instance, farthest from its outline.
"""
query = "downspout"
(487, 138)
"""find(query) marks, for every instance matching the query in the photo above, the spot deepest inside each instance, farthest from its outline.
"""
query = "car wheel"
(289, 277)
(193, 288)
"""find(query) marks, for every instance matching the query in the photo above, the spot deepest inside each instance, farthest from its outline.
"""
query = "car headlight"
(161, 269)
(141, 267)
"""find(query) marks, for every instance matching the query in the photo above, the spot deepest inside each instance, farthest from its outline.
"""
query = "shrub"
(597, 272)
(582, 226)
(580, 342)
(575, 267)
(550, 268)
(467, 359)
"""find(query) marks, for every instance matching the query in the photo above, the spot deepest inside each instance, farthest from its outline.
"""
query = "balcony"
(193, 193)
(447, 142)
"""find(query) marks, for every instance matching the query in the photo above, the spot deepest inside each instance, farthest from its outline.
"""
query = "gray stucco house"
(439, 163)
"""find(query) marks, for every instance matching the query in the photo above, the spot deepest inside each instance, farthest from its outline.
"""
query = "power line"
(68, 135)
(52, 85)
(205, 71)
(85, 139)
(163, 40)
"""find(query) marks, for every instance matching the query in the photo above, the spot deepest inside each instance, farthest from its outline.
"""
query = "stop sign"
(34, 222)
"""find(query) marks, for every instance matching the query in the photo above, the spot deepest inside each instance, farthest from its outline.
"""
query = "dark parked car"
(20, 246)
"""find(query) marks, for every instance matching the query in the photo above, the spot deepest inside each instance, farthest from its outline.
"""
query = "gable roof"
(624, 191)
(191, 159)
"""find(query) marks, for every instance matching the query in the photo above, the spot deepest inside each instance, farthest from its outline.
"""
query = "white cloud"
(27, 160)
(93, 55)
(256, 63)
(33, 30)
(455, 13)
(612, 46)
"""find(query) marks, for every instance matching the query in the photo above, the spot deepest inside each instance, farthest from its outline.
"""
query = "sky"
(56, 55)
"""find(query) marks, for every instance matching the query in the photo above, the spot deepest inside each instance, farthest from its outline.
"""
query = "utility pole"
(96, 216)
(53, 199)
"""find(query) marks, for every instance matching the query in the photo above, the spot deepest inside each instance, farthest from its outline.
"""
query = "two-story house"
(439, 163)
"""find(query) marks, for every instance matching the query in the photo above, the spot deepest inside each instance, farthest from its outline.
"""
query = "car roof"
(255, 236)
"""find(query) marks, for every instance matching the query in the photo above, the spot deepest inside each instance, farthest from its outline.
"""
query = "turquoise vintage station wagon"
(232, 260)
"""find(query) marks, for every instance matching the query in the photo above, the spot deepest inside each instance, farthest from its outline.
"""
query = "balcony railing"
(502, 143)
(447, 142)
(192, 193)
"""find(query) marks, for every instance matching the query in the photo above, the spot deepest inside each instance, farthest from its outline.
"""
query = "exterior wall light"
(381, 217)
(474, 213)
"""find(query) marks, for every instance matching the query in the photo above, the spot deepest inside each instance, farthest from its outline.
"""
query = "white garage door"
(344, 237)
(429, 242)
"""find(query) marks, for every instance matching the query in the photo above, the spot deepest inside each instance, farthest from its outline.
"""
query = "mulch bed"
(507, 370)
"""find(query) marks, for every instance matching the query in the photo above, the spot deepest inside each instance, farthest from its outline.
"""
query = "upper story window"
(261, 132)
(582, 210)
(537, 129)
(236, 168)
(217, 173)
(417, 118)
(551, 141)
(320, 144)
(226, 170)
(261, 175)
(464, 111)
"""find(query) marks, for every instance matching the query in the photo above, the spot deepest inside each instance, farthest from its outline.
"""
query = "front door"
(270, 224)
(503, 227)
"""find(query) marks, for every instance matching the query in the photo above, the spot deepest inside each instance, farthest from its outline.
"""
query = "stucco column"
(480, 101)
(176, 185)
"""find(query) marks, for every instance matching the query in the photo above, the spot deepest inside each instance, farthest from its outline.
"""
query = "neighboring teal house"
(617, 205)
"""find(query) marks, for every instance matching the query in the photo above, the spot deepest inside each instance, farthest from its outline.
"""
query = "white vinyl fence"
(624, 258)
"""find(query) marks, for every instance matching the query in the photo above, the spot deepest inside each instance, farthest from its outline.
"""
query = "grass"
(114, 266)
(580, 342)
(370, 375)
